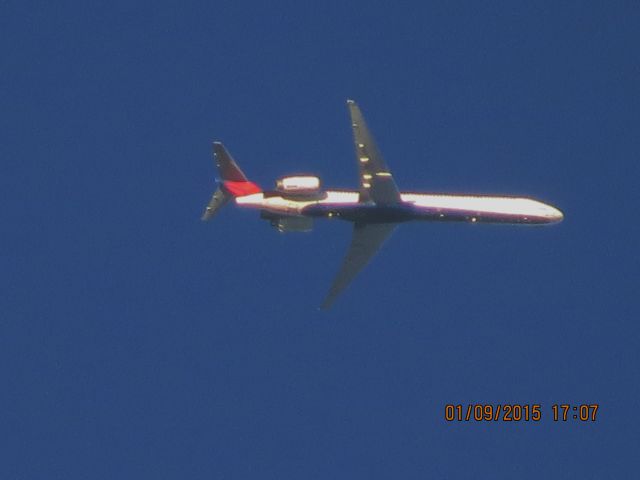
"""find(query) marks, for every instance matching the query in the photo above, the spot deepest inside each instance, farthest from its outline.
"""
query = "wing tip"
(326, 304)
(330, 298)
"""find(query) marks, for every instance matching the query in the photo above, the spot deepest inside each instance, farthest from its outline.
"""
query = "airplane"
(375, 209)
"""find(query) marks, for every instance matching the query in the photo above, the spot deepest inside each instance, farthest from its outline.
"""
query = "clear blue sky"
(138, 342)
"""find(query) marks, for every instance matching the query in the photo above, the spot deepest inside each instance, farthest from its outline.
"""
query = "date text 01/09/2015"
(515, 412)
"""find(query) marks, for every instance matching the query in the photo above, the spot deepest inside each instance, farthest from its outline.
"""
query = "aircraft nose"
(555, 215)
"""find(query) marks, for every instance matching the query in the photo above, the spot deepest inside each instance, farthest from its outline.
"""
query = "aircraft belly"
(476, 216)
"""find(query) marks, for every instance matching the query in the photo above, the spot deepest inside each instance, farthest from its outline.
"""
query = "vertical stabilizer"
(234, 182)
(228, 168)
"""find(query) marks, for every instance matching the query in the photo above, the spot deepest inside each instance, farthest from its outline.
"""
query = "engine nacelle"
(299, 186)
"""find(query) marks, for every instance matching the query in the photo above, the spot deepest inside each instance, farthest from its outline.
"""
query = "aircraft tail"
(234, 182)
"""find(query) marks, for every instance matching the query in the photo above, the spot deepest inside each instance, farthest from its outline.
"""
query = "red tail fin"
(240, 189)
(234, 180)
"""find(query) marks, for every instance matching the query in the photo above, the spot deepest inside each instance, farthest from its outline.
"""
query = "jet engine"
(300, 186)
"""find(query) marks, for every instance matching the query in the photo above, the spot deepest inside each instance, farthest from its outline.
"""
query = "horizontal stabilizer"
(218, 200)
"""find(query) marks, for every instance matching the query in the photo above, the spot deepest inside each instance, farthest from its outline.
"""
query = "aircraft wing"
(366, 241)
(218, 200)
(376, 182)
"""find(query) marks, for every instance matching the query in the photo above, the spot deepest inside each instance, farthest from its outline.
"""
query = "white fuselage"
(414, 206)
